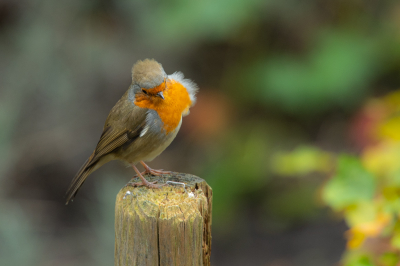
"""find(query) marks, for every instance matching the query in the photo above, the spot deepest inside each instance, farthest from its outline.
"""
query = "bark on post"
(166, 226)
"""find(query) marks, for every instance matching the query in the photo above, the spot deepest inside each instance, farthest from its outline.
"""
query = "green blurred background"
(273, 76)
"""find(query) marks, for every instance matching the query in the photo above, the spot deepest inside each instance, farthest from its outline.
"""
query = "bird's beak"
(160, 94)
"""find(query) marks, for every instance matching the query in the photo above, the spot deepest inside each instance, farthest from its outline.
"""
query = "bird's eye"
(144, 91)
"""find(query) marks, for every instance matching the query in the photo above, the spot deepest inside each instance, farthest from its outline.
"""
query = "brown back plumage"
(115, 136)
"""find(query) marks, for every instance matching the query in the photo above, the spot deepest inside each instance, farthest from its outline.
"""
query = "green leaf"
(361, 262)
(352, 184)
(396, 240)
(389, 259)
(363, 212)
(301, 161)
(358, 259)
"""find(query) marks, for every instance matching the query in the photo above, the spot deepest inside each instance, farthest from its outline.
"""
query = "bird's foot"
(144, 181)
(151, 171)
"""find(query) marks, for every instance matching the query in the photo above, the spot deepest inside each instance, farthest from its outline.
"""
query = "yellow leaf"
(357, 234)
(355, 238)
(383, 158)
(390, 129)
(392, 101)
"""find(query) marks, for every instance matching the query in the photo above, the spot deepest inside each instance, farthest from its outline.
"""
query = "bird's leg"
(148, 170)
(144, 181)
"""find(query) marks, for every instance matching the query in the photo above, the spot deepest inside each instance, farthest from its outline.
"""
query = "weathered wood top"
(166, 226)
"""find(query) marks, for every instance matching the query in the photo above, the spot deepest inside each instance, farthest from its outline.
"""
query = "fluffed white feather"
(190, 86)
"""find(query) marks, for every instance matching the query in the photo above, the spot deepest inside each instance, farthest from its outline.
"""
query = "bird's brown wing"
(117, 134)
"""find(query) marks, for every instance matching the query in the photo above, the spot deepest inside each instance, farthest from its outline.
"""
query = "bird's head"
(152, 86)
(149, 79)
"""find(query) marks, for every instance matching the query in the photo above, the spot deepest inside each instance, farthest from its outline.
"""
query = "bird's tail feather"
(79, 179)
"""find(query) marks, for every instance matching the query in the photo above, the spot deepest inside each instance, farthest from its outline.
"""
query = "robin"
(143, 123)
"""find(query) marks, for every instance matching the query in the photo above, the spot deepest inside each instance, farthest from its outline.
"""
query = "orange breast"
(176, 102)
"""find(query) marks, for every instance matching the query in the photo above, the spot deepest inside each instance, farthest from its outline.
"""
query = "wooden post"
(166, 226)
